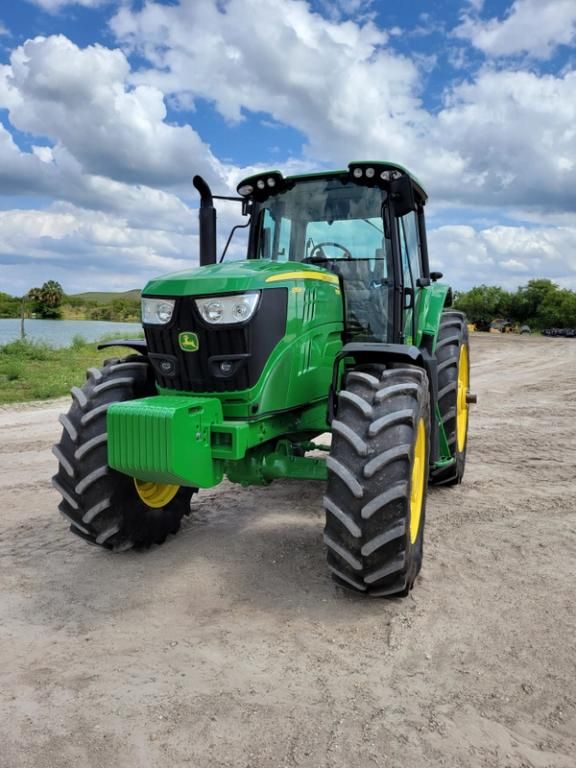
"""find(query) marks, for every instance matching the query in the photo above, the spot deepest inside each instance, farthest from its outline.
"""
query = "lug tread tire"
(367, 502)
(453, 333)
(102, 505)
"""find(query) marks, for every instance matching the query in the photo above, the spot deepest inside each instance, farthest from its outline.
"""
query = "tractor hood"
(235, 277)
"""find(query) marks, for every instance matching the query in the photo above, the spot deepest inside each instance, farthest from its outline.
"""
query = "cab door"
(412, 271)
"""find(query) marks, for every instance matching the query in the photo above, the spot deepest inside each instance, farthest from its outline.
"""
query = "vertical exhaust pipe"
(207, 221)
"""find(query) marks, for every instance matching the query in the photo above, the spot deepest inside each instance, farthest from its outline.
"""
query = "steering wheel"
(317, 253)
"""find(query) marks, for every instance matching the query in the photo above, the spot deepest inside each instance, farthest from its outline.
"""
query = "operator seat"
(365, 297)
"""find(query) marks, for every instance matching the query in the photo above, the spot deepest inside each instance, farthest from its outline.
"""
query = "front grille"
(199, 371)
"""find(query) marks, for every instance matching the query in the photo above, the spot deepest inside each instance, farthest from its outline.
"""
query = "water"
(59, 333)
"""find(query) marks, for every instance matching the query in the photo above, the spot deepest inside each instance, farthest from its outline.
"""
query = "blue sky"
(108, 108)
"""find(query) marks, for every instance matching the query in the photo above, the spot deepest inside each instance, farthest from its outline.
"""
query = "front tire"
(102, 505)
(377, 478)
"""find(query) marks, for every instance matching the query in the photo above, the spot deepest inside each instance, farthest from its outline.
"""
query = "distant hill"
(102, 297)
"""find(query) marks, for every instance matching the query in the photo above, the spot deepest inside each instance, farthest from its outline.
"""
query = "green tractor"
(333, 323)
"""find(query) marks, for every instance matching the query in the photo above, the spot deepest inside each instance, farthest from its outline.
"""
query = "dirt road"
(230, 646)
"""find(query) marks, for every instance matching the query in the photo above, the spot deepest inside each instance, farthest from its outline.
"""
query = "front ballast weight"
(199, 448)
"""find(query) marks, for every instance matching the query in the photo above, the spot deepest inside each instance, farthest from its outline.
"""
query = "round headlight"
(260, 184)
(357, 173)
(164, 312)
(370, 173)
(271, 182)
(245, 189)
(241, 311)
(214, 311)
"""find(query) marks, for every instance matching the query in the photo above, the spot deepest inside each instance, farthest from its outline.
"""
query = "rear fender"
(433, 300)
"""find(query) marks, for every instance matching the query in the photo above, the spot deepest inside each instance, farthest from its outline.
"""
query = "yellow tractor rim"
(418, 480)
(155, 495)
(461, 403)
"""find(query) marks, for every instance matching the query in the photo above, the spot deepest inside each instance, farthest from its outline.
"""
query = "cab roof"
(381, 165)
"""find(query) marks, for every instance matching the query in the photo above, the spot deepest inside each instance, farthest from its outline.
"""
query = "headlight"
(157, 311)
(225, 310)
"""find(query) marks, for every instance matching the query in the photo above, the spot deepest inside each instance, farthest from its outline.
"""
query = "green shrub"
(27, 350)
(79, 342)
(13, 371)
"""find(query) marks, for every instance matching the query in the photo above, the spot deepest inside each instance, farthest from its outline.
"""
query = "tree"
(483, 304)
(528, 301)
(557, 310)
(540, 304)
(46, 301)
(9, 306)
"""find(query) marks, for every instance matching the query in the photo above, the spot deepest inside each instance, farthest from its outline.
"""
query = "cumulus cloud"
(100, 140)
(509, 256)
(490, 143)
(104, 248)
(515, 131)
(533, 27)
(336, 82)
(80, 100)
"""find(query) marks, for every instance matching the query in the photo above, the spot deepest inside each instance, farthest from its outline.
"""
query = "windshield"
(336, 225)
(322, 219)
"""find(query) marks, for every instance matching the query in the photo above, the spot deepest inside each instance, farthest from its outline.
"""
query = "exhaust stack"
(207, 221)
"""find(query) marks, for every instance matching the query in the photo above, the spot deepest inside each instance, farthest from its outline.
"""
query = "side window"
(274, 239)
(282, 247)
(410, 248)
(265, 235)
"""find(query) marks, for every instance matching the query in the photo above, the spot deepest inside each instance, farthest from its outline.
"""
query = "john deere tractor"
(332, 323)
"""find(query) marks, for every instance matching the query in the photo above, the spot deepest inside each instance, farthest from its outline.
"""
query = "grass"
(36, 371)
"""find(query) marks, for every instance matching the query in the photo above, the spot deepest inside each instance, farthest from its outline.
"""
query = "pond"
(60, 333)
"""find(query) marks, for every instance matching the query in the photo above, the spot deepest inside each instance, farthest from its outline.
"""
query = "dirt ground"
(230, 646)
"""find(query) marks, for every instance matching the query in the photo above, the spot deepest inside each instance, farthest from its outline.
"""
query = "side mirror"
(436, 276)
(402, 193)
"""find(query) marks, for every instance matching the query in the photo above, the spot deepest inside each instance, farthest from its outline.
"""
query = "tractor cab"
(364, 225)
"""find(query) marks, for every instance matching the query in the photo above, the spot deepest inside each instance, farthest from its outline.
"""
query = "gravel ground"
(230, 646)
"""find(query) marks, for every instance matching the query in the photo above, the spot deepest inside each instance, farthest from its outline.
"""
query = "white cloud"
(337, 9)
(3, 30)
(509, 256)
(335, 82)
(515, 132)
(504, 137)
(80, 100)
(98, 249)
(53, 6)
(102, 143)
(532, 27)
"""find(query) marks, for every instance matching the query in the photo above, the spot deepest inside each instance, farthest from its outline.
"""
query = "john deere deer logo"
(188, 341)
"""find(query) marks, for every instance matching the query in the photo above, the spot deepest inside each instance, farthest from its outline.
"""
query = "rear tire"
(377, 477)
(101, 504)
(452, 353)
